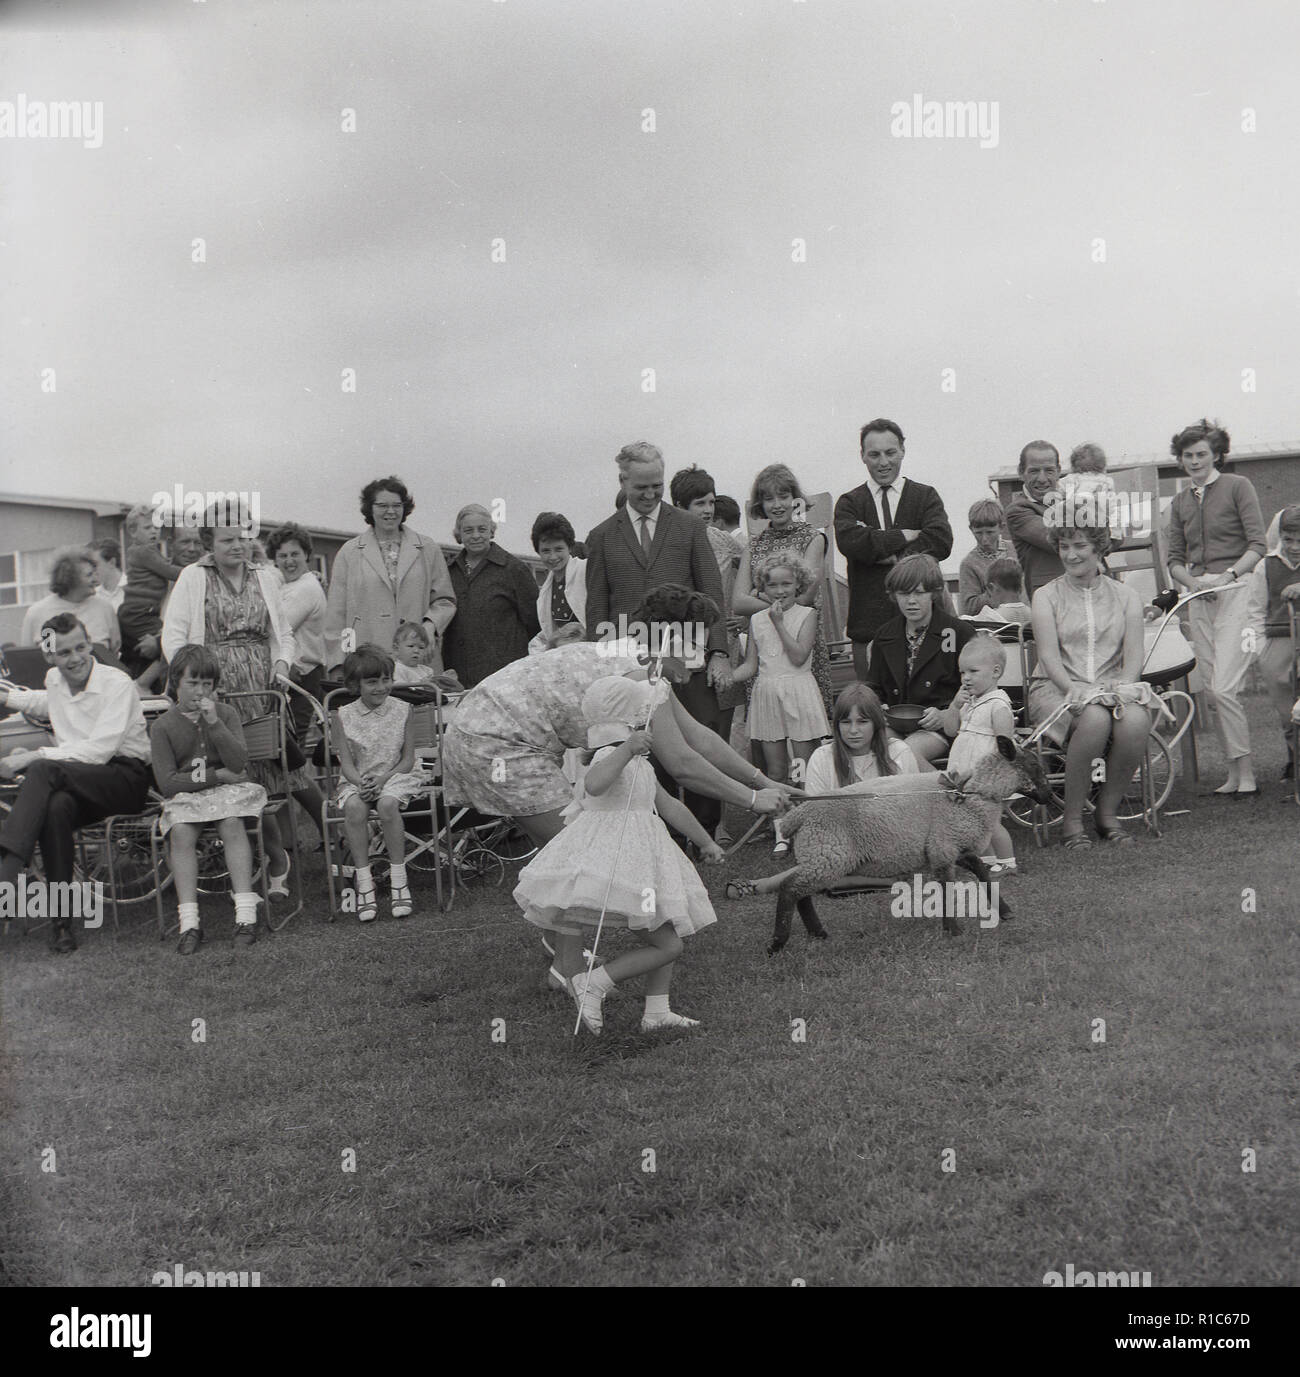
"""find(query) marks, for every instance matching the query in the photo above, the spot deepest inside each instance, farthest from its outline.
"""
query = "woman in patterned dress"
(777, 496)
(233, 607)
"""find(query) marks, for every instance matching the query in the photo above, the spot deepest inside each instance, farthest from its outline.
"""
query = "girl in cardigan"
(198, 762)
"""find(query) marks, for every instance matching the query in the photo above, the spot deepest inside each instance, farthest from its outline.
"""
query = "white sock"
(600, 982)
(246, 908)
(365, 880)
(656, 1004)
(189, 916)
(397, 874)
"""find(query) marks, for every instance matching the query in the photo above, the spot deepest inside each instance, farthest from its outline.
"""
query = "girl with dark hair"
(562, 599)
(199, 763)
(375, 738)
(860, 748)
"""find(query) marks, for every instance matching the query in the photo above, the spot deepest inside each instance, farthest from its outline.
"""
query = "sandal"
(367, 905)
(740, 889)
(401, 901)
(1077, 841)
(277, 886)
(1114, 835)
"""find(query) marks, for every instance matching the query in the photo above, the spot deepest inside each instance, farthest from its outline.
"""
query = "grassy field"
(732, 1155)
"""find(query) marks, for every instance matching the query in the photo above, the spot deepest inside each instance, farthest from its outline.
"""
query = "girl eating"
(198, 762)
(785, 713)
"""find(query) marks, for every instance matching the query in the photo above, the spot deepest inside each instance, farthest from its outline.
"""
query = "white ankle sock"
(189, 914)
(397, 875)
(656, 1004)
(245, 908)
(365, 880)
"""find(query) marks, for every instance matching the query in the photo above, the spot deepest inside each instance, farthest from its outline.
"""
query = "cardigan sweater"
(1209, 535)
(177, 743)
(185, 622)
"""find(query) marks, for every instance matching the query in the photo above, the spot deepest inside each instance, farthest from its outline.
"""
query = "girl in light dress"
(375, 739)
(615, 856)
(980, 713)
(786, 715)
(198, 764)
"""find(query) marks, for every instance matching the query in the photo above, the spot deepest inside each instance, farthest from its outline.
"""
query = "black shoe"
(191, 940)
(245, 934)
(61, 940)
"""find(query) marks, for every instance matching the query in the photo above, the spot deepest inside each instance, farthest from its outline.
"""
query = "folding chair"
(1146, 803)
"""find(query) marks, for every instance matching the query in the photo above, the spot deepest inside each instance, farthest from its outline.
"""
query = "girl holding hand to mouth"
(776, 495)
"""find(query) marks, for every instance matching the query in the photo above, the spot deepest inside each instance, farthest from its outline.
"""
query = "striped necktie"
(646, 541)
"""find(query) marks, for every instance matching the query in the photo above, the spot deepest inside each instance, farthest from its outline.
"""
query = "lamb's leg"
(796, 893)
(951, 926)
(975, 864)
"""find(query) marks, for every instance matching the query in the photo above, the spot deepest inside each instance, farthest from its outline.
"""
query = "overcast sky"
(626, 250)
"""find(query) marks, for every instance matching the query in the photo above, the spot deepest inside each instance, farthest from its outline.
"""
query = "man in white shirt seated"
(98, 766)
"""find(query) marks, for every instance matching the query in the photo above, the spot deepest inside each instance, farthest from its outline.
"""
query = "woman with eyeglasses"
(387, 575)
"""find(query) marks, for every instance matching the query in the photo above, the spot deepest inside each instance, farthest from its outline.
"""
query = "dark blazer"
(619, 575)
(1036, 553)
(871, 551)
(935, 676)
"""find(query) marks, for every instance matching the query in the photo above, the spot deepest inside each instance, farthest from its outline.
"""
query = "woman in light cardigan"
(234, 608)
(387, 575)
(562, 615)
(1216, 537)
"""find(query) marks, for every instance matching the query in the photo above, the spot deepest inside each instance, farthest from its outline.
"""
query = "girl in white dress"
(375, 739)
(615, 855)
(786, 715)
(982, 711)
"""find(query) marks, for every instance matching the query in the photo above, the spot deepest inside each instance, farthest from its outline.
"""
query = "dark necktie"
(646, 542)
(884, 506)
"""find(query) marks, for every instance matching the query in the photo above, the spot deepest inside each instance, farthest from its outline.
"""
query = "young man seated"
(98, 766)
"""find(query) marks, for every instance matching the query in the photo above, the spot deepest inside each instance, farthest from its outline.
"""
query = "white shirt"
(820, 775)
(115, 597)
(303, 601)
(1214, 474)
(94, 613)
(103, 720)
(895, 494)
(651, 521)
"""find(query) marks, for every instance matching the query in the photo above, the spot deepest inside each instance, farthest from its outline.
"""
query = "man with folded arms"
(98, 766)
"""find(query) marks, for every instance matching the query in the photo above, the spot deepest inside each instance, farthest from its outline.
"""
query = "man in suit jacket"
(645, 544)
(1040, 471)
(877, 524)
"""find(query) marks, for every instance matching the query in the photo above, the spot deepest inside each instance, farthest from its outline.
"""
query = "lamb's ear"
(1006, 748)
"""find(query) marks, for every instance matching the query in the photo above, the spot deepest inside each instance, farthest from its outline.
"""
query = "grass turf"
(736, 1154)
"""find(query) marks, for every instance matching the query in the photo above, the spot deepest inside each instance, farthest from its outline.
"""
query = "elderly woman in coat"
(387, 575)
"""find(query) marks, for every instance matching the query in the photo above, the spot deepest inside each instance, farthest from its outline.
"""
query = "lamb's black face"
(1034, 778)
